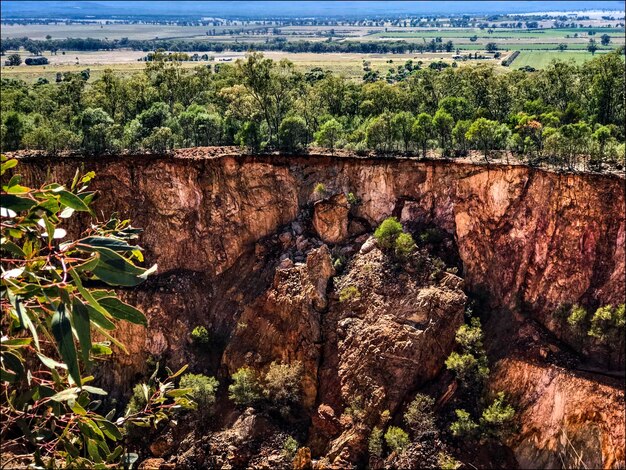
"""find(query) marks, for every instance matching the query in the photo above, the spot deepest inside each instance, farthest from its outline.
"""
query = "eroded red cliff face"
(236, 244)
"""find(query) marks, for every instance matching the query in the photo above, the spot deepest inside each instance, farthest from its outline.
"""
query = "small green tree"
(397, 440)
(459, 137)
(245, 390)
(443, 124)
(470, 365)
(605, 39)
(496, 420)
(329, 134)
(13, 130)
(375, 442)
(292, 133)
(380, 133)
(607, 323)
(159, 141)
(249, 136)
(208, 128)
(404, 246)
(283, 383)
(423, 131)
(203, 389)
(419, 416)
(483, 133)
(290, 448)
(402, 123)
(96, 126)
(464, 426)
(201, 336)
(14, 60)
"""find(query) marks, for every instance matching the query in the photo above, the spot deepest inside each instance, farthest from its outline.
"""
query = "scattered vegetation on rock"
(493, 421)
(245, 389)
(419, 416)
(349, 293)
(201, 336)
(397, 439)
(203, 389)
(282, 385)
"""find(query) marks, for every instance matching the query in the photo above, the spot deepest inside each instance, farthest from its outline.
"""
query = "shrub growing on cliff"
(397, 439)
(319, 190)
(387, 232)
(496, 420)
(282, 385)
(577, 316)
(349, 293)
(419, 416)
(245, 390)
(375, 443)
(203, 390)
(470, 365)
(404, 246)
(464, 427)
(607, 323)
(201, 336)
(290, 448)
(447, 462)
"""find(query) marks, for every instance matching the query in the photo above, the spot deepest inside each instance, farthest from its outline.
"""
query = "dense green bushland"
(568, 115)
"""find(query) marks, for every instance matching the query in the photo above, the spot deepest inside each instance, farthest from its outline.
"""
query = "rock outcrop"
(284, 325)
(387, 333)
(567, 419)
(330, 218)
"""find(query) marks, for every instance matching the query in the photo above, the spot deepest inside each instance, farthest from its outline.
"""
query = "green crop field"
(541, 59)
(615, 33)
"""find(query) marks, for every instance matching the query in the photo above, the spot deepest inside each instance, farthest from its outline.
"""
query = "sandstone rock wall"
(530, 239)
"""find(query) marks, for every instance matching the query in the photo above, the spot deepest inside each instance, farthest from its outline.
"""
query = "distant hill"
(249, 9)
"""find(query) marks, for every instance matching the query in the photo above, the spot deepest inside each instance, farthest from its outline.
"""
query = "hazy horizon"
(86, 9)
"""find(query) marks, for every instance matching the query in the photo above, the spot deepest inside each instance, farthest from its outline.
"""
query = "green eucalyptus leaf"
(82, 326)
(50, 363)
(72, 201)
(116, 270)
(17, 203)
(109, 429)
(6, 376)
(100, 319)
(92, 448)
(93, 243)
(94, 390)
(65, 395)
(123, 311)
(62, 331)
(8, 164)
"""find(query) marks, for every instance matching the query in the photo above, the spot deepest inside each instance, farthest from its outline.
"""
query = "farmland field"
(125, 61)
(541, 59)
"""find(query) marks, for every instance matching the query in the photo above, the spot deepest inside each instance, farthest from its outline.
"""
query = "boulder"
(330, 218)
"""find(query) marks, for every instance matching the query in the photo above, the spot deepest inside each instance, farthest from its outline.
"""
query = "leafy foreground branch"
(55, 328)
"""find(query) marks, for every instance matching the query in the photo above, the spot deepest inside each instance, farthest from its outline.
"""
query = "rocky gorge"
(273, 254)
